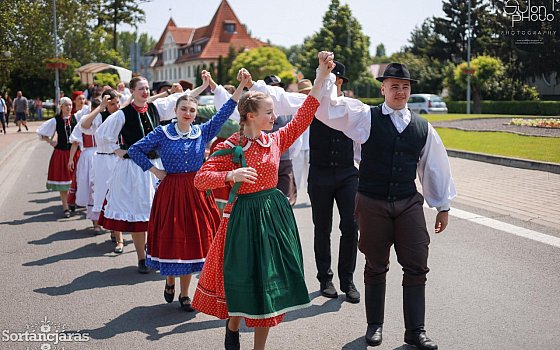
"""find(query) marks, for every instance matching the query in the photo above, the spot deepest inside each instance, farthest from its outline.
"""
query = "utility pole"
(469, 29)
(56, 77)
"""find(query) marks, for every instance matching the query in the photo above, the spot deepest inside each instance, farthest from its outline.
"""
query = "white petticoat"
(103, 165)
(84, 178)
(131, 192)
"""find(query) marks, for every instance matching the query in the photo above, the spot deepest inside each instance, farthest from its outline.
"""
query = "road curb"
(506, 161)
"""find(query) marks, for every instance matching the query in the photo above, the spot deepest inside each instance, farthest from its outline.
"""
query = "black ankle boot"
(414, 307)
(232, 339)
(375, 313)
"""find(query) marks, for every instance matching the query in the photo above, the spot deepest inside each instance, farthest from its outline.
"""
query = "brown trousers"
(401, 223)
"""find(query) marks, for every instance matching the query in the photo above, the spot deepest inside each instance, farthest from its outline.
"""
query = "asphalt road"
(487, 289)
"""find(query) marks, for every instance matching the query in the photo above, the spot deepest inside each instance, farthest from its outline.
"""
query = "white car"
(426, 104)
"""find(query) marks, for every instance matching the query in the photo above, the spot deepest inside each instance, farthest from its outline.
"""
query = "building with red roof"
(180, 51)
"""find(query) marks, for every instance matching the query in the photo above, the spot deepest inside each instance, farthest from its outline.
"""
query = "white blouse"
(353, 117)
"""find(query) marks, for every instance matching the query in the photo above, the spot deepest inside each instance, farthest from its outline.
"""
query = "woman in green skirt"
(254, 268)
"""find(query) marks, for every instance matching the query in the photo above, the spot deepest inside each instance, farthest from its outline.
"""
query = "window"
(229, 27)
(189, 71)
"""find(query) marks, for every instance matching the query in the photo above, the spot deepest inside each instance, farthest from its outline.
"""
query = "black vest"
(104, 115)
(64, 131)
(137, 125)
(389, 159)
(329, 147)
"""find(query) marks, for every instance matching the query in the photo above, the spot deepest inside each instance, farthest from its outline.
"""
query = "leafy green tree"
(109, 79)
(380, 51)
(430, 73)
(224, 64)
(145, 41)
(261, 62)
(114, 12)
(342, 34)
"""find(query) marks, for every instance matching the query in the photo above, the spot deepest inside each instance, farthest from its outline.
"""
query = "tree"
(224, 64)
(261, 62)
(430, 73)
(115, 12)
(380, 51)
(126, 39)
(342, 34)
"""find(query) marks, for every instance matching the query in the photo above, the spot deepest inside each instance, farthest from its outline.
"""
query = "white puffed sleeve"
(349, 115)
(434, 173)
(47, 129)
(107, 134)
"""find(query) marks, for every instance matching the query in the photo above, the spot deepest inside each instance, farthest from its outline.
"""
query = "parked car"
(205, 100)
(426, 104)
(48, 104)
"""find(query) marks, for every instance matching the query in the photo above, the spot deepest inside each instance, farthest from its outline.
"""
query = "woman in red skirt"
(59, 177)
(183, 220)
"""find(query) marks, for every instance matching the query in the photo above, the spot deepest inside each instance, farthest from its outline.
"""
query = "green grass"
(546, 149)
(445, 117)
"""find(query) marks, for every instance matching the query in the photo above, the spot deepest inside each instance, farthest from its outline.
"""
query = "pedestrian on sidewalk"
(3, 110)
(183, 220)
(396, 144)
(39, 108)
(131, 190)
(59, 177)
(21, 111)
(254, 269)
(9, 105)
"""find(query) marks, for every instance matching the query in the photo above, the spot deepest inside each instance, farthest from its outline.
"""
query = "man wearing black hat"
(333, 176)
(396, 144)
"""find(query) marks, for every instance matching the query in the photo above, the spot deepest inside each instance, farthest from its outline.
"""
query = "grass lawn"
(445, 117)
(546, 149)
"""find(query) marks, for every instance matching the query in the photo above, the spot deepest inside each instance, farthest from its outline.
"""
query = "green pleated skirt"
(263, 262)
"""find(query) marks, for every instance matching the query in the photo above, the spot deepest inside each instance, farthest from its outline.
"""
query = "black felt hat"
(396, 71)
(340, 71)
(273, 80)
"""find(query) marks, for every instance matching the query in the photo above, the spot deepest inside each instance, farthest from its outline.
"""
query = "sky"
(289, 22)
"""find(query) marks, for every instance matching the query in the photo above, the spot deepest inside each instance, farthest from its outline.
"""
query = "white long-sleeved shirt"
(353, 117)
(107, 133)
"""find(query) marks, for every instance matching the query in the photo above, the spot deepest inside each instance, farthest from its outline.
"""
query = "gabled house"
(180, 51)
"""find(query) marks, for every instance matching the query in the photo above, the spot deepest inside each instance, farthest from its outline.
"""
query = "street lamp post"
(469, 59)
(56, 77)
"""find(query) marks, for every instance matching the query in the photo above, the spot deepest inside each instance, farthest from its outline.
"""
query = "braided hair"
(248, 103)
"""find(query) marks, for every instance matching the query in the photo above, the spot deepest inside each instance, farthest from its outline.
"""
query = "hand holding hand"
(176, 87)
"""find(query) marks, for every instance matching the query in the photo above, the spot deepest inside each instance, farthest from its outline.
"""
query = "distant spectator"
(124, 93)
(21, 111)
(9, 104)
(3, 109)
(39, 107)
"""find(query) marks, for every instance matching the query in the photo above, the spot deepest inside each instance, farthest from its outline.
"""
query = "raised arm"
(86, 121)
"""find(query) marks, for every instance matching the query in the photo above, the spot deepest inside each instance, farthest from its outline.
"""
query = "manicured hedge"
(509, 107)
(372, 101)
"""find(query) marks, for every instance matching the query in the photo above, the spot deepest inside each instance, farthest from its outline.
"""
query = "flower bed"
(553, 123)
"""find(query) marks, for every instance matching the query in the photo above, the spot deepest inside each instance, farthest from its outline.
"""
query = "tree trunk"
(477, 105)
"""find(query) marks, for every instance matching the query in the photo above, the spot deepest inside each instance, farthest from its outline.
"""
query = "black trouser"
(3, 120)
(325, 185)
(401, 223)
(287, 181)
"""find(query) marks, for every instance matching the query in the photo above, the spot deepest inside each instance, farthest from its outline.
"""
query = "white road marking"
(505, 227)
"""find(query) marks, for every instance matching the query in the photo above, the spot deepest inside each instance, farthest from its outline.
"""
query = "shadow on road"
(45, 200)
(48, 214)
(88, 251)
(147, 319)
(331, 305)
(125, 276)
(360, 344)
(66, 236)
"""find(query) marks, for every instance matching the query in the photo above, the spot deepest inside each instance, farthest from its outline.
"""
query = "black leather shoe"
(185, 304)
(420, 340)
(231, 341)
(169, 292)
(328, 290)
(352, 294)
(374, 334)
(142, 268)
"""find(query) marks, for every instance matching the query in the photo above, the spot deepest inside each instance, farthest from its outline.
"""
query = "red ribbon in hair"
(140, 109)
